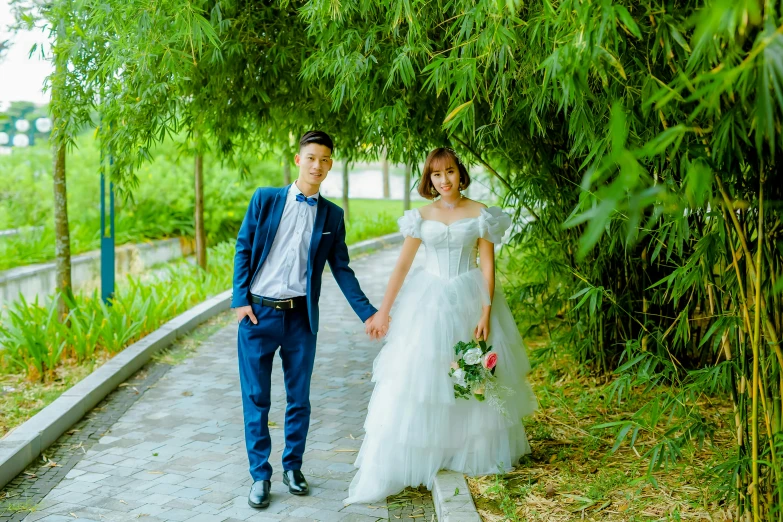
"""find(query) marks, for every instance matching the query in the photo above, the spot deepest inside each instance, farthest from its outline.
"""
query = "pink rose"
(490, 360)
(455, 365)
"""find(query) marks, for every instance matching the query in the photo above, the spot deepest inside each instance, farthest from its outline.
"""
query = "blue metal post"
(107, 238)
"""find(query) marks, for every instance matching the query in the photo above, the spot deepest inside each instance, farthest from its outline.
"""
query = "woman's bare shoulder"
(474, 205)
(425, 210)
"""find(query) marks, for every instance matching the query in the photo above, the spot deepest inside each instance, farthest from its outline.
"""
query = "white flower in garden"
(472, 356)
(459, 377)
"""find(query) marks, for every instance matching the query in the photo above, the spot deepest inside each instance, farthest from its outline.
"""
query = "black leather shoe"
(259, 494)
(297, 485)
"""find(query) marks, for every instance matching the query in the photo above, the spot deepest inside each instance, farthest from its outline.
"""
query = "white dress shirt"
(284, 273)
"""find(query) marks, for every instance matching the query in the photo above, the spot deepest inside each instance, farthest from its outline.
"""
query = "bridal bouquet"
(473, 373)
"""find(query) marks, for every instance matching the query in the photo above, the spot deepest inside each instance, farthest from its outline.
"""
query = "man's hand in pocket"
(243, 311)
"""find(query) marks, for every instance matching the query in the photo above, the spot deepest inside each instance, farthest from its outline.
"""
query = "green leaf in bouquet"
(461, 392)
(479, 397)
(462, 347)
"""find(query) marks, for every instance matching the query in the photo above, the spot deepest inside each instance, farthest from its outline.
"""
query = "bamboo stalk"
(763, 387)
(756, 343)
(645, 305)
(716, 306)
(742, 434)
(735, 263)
(768, 324)
(198, 212)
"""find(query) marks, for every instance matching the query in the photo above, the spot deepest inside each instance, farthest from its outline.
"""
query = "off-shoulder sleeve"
(493, 223)
(410, 223)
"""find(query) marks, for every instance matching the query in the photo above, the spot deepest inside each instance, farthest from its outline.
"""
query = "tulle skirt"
(414, 426)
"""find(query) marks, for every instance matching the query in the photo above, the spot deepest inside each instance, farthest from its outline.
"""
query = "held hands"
(482, 330)
(243, 311)
(377, 325)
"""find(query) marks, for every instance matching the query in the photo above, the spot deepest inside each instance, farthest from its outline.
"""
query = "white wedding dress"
(415, 427)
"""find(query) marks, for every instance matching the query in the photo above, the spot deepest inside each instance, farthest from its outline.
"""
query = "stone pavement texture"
(178, 453)
(45, 473)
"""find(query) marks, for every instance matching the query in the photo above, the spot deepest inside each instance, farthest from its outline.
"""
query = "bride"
(415, 426)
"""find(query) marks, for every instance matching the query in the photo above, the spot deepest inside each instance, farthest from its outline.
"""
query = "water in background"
(366, 182)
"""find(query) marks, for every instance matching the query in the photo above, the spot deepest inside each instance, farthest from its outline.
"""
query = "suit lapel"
(277, 213)
(318, 228)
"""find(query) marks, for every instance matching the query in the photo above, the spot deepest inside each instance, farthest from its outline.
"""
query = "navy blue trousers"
(290, 331)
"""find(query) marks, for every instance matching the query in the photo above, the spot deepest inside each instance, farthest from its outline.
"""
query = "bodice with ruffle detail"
(452, 249)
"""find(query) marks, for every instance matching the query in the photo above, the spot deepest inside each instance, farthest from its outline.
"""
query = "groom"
(285, 239)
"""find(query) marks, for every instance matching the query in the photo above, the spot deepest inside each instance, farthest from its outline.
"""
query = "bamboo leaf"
(456, 111)
(580, 292)
(620, 437)
(627, 20)
(631, 363)
(678, 38)
(662, 141)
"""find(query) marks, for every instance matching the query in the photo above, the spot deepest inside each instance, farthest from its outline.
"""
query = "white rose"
(459, 377)
(472, 356)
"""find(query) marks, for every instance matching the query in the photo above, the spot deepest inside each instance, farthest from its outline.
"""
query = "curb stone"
(25, 443)
(453, 502)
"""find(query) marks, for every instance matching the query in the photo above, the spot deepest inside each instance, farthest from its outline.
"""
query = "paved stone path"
(40, 477)
(178, 453)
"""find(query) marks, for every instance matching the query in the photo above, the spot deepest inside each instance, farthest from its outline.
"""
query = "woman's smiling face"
(445, 178)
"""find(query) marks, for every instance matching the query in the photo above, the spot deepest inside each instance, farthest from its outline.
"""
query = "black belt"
(280, 304)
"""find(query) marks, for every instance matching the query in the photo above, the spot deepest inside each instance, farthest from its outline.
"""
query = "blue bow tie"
(310, 201)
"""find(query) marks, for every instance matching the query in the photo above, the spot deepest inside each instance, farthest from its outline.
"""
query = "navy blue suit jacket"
(255, 239)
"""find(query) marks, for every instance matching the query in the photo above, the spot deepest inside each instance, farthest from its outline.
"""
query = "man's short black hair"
(318, 137)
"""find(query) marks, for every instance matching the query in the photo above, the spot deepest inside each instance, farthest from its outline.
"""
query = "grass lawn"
(571, 474)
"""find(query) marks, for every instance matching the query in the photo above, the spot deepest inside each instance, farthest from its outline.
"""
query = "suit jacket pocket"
(327, 238)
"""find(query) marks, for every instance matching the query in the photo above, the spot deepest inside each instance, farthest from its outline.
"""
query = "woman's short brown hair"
(435, 159)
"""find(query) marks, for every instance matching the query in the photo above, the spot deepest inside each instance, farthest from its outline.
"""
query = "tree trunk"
(385, 168)
(406, 197)
(201, 236)
(345, 191)
(286, 170)
(61, 231)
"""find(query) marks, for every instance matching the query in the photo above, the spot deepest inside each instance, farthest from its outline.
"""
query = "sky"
(21, 78)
